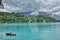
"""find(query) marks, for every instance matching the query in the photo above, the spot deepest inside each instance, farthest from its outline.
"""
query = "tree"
(0, 2)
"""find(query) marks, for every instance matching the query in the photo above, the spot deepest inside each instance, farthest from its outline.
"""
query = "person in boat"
(11, 34)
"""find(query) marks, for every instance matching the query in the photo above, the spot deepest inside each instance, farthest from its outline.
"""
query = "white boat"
(10, 34)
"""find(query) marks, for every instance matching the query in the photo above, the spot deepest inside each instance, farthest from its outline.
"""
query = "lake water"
(31, 31)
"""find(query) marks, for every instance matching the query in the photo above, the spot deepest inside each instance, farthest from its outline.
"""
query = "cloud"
(57, 13)
(3, 10)
(55, 9)
(20, 5)
(51, 6)
(34, 13)
(31, 5)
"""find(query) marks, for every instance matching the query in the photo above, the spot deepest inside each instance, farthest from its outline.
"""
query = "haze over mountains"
(49, 6)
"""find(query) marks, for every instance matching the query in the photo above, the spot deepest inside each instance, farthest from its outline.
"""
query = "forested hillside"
(6, 17)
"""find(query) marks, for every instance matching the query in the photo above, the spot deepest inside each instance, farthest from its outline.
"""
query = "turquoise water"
(31, 31)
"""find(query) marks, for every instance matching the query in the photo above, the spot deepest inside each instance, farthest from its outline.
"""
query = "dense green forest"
(6, 17)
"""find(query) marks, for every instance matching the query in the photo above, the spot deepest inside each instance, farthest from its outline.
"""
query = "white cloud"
(55, 8)
(32, 5)
(21, 5)
(57, 13)
(51, 6)
(34, 13)
(43, 10)
(3, 10)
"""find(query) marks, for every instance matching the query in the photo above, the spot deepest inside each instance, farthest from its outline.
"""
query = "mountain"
(26, 13)
(39, 13)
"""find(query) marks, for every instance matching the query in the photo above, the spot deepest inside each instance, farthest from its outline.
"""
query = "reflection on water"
(31, 31)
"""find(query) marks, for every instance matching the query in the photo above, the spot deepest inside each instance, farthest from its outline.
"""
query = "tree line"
(6, 17)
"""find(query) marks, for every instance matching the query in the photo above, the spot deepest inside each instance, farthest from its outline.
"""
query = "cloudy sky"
(51, 6)
(20, 5)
